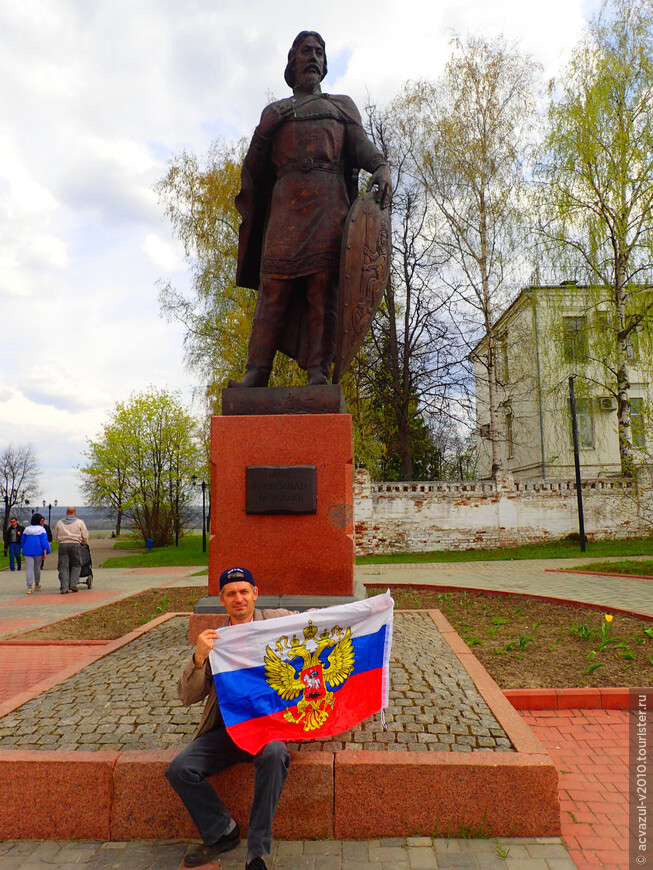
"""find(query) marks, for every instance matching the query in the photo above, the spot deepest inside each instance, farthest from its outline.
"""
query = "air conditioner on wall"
(607, 403)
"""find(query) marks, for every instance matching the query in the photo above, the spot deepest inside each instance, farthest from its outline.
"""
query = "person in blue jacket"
(35, 546)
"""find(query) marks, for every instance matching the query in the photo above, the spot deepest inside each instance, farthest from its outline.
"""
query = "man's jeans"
(14, 554)
(215, 751)
(69, 565)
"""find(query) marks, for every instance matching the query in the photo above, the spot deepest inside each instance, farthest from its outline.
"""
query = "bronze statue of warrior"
(299, 178)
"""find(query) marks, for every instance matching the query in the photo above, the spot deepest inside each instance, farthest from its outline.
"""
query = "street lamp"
(579, 486)
(50, 508)
(203, 485)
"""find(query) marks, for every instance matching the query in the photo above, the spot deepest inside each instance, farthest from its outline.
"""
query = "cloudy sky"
(96, 96)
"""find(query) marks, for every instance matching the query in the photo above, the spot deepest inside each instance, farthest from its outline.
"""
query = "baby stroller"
(86, 573)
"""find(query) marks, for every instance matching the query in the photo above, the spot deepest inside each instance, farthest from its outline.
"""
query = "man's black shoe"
(204, 854)
(256, 864)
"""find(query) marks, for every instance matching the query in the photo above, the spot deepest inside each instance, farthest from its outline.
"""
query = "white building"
(545, 336)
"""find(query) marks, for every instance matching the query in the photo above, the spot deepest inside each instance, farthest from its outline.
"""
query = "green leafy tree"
(105, 481)
(597, 172)
(199, 194)
(156, 452)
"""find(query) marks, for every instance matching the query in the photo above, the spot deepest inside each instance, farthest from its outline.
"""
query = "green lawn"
(189, 552)
(642, 567)
(4, 560)
(549, 550)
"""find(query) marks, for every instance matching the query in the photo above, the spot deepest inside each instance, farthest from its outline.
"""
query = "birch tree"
(597, 171)
(477, 125)
(414, 359)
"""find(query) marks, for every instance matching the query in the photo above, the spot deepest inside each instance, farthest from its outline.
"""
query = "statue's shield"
(364, 271)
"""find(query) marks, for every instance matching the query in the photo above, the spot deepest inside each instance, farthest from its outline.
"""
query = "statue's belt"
(307, 164)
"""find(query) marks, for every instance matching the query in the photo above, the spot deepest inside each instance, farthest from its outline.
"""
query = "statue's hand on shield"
(381, 179)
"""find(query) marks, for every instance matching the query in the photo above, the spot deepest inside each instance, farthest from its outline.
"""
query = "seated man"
(213, 750)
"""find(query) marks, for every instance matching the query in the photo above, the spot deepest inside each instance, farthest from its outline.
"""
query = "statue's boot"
(260, 354)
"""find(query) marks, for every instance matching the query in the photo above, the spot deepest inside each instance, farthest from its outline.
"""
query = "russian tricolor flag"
(301, 677)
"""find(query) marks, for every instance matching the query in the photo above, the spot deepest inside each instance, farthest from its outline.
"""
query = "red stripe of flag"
(360, 697)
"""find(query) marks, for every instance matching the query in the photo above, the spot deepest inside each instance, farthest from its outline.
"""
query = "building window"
(585, 424)
(509, 440)
(603, 320)
(632, 346)
(503, 345)
(574, 334)
(637, 426)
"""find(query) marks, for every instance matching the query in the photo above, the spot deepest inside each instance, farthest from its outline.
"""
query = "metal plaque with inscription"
(281, 489)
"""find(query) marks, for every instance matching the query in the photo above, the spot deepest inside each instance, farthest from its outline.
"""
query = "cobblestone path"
(127, 701)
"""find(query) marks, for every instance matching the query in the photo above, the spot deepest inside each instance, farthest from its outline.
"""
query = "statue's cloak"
(261, 171)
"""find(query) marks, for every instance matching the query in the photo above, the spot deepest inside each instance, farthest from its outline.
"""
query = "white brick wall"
(417, 517)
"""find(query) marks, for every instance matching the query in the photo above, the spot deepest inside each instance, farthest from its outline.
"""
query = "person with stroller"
(35, 547)
(71, 533)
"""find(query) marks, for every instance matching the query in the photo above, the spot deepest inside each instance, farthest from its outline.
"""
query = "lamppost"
(50, 508)
(203, 485)
(579, 486)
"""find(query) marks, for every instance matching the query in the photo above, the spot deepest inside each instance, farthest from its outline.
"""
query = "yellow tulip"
(608, 617)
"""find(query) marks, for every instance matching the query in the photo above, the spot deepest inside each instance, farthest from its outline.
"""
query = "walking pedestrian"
(35, 546)
(71, 533)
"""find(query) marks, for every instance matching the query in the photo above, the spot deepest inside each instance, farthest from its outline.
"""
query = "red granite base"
(445, 794)
(146, 807)
(289, 554)
(605, 698)
(56, 795)
(346, 795)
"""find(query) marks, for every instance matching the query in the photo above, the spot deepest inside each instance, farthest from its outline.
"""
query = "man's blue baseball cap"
(236, 575)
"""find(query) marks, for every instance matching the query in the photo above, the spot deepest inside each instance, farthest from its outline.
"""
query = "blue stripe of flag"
(245, 694)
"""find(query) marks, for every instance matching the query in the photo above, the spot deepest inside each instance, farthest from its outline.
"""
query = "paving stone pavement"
(127, 701)
(535, 854)
(590, 750)
(528, 576)
(21, 668)
(19, 611)
(413, 853)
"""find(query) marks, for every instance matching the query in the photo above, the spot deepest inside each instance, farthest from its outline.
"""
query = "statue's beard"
(307, 80)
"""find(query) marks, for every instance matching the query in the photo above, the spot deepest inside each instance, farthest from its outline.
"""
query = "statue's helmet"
(289, 74)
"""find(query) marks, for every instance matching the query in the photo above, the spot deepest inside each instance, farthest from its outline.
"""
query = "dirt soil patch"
(119, 618)
(526, 644)
(521, 643)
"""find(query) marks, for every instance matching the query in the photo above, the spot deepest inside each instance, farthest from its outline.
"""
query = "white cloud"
(164, 254)
(96, 97)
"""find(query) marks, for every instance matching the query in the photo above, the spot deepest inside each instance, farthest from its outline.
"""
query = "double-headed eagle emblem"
(298, 669)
